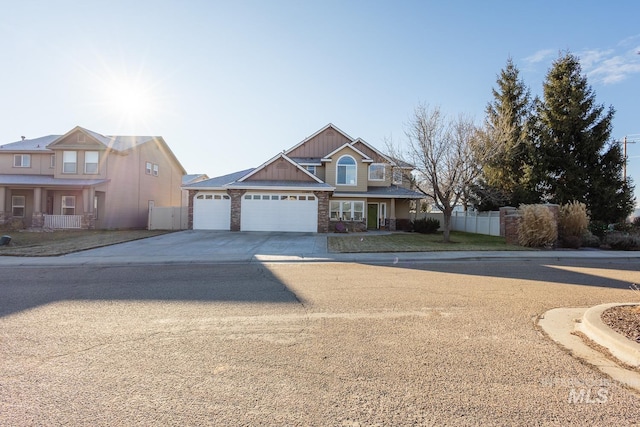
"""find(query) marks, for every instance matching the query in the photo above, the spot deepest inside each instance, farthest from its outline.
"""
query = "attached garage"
(211, 211)
(279, 212)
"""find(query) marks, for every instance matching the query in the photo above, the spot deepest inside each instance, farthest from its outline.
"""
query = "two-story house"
(326, 181)
(83, 179)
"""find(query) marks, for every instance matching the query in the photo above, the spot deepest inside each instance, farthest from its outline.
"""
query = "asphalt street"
(451, 342)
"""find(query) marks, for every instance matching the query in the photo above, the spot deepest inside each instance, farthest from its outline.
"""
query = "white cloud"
(539, 56)
(607, 67)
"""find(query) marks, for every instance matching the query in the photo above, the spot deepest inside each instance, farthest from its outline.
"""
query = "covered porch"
(44, 202)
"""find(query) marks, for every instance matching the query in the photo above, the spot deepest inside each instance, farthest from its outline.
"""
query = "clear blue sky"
(229, 84)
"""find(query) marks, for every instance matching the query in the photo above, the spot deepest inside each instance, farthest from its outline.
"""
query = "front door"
(372, 216)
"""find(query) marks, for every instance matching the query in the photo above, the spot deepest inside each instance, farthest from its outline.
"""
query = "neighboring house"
(191, 179)
(329, 180)
(86, 180)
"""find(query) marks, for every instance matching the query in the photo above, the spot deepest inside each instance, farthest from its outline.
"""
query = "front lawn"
(60, 242)
(415, 242)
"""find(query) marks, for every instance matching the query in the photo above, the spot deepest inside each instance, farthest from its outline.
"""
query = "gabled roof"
(196, 177)
(330, 125)
(365, 158)
(375, 150)
(217, 183)
(117, 142)
(278, 157)
(36, 144)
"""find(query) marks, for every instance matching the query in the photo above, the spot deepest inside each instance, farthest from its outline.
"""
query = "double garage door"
(260, 212)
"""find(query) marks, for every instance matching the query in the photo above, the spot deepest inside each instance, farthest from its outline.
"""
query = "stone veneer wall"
(192, 195)
(323, 211)
(236, 208)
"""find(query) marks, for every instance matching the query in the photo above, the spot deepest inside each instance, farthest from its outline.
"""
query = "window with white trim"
(346, 171)
(147, 168)
(346, 210)
(18, 206)
(155, 170)
(397, 176)
(22, 160)
(311, 169)
(68, 205)
(69, 161)
(52, 162)
(91, 162)
(376, 172)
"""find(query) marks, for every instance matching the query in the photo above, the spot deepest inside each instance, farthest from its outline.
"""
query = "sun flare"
(133, 100)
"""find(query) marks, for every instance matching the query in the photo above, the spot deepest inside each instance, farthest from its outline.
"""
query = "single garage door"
(211, 211)
(279, 212)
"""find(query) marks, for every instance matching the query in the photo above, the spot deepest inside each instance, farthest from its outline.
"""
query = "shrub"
(590, 240)
(426, 226)
(537, 226)
(598, 228)
(622, 241)
(622, 226)
(573, 220)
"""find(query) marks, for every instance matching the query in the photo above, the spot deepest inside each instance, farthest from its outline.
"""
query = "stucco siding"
(362, 171)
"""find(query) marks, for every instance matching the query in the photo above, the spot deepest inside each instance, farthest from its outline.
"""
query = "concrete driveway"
(202, 245)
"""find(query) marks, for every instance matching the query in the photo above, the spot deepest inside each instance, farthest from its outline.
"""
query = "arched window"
(346, 171)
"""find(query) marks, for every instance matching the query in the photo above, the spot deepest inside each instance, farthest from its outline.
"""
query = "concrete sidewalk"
(227, 247)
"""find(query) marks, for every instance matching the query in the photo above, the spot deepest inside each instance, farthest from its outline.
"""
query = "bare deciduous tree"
(447, 155)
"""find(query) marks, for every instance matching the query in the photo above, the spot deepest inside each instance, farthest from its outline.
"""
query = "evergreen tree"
(507, 175)
(576, 158)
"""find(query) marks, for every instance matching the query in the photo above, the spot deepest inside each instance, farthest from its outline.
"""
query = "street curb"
(595, 329)
(559, 324)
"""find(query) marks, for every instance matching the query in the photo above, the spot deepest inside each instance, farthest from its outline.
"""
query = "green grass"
(415, 242)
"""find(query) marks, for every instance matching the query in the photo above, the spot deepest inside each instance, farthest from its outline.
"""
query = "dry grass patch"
(60, 242)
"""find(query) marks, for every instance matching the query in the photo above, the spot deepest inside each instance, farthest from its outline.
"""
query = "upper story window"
(397, 176)
(22, 160)
(311, 169)
(69, 162)
(346, 170)
(52, 162)
(91, 162)
(151, 169)
(376, 172)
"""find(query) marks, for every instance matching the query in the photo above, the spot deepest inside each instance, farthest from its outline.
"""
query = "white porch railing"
(63, 221)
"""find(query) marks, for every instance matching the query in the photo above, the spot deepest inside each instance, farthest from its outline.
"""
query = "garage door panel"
(279, 213)
(211, 211)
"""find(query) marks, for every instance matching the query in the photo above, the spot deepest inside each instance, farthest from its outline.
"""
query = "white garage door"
(279, 212)
(211, 211)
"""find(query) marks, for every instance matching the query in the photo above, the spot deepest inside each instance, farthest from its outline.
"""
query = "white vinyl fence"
(471, 222)
(168, 218)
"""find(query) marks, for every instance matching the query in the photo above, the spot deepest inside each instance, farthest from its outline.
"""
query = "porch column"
(85, 200)
(37, 217)
(392, 215)
(3, 206)
(88, 218)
